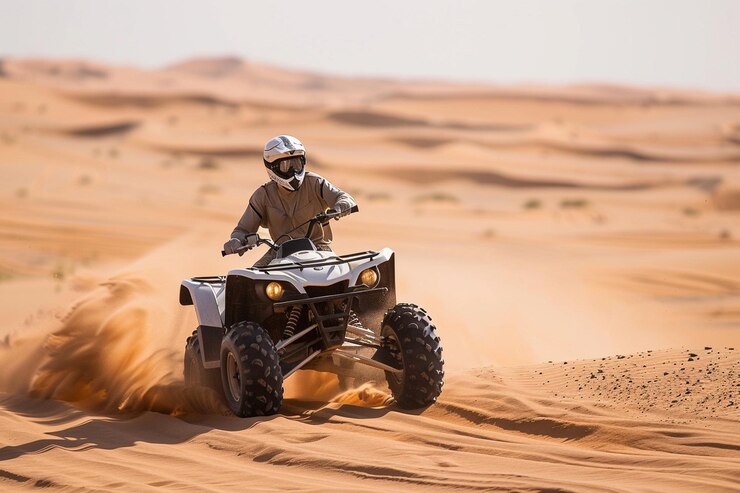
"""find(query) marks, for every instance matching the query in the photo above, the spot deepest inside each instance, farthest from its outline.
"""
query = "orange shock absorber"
(295, 315)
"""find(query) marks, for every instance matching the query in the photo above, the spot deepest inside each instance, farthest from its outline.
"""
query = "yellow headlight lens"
(274, 291)
(369, 277)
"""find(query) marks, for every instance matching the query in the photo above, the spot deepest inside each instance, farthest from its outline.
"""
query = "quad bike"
(308, 309)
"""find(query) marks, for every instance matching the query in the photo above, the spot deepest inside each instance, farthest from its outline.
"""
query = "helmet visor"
(289, 166)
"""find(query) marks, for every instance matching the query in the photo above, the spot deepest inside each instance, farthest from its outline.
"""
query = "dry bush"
(210, 188)
(573, 203)
(437, 197)
(377, 196)
(208, 164)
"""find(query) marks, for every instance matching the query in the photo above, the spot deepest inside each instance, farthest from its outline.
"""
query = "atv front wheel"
(250, 371)
(193, 371)
(411, 338)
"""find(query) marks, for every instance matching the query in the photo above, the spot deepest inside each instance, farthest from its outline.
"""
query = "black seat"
(292, 246)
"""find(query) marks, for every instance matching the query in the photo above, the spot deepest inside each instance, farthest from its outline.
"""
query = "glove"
(231, 246)
(342, 208)
(251, 240)
(235, 244)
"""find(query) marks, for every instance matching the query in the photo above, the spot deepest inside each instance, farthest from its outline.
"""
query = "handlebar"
(260, 241)
(322, 217)
(319, 218)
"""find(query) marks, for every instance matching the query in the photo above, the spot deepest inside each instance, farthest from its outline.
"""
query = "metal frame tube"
(302, 364)
(358, 358)
(280, 345)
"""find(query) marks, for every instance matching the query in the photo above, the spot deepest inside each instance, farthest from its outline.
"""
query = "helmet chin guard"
(282, 148)
(292, 183)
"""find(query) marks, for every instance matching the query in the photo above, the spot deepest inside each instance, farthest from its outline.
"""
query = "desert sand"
(577, 247)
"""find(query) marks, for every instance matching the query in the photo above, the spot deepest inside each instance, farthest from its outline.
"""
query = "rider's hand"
(343, 208)
(232, 246)
(237, 245)
(251, 241)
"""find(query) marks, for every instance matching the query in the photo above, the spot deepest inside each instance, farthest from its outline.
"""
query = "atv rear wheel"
(250, 371)
(194, 373)
(411, 338)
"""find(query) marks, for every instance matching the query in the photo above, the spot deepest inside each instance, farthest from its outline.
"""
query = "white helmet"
(285, 160)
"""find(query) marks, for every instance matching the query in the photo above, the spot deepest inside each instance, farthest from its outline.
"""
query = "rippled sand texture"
(577, 247)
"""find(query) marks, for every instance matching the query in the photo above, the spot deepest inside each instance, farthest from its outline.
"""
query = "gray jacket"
(280, 210)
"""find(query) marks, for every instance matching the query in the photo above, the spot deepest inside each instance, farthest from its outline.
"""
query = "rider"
(291, 197)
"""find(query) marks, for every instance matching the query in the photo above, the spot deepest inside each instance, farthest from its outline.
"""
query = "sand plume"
(105, 358)
(366, 395)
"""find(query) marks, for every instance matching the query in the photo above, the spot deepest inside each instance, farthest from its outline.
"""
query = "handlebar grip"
(223, 253)
(354, 209)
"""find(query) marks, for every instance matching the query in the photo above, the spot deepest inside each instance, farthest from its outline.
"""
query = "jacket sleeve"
(333, 197)
(253, 217)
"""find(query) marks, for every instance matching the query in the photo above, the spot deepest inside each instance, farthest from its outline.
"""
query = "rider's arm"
(253, 217)
(333, 197)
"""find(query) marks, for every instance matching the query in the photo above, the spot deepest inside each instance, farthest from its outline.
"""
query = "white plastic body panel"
(209, 301)
(314, 276)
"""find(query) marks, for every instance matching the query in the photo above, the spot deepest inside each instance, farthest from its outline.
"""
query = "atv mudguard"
(208, 296)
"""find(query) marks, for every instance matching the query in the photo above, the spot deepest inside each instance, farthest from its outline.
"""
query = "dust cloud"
(109, 356)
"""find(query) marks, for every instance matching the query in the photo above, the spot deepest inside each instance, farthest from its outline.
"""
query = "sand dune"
(576, 246)
(489, 432)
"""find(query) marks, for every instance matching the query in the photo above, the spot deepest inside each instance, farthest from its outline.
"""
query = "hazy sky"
(658, 42)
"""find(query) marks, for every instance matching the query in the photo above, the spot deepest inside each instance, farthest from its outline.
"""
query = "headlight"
(274, 291)
(369, 277)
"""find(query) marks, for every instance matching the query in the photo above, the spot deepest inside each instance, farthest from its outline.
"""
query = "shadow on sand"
(125, 430)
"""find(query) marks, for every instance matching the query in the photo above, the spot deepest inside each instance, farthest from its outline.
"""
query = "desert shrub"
(210, 188)
(437, 197)
(690, 211)
(532, 204)
(208, 163)
(379, 196)
(573, 203)
(58, 273)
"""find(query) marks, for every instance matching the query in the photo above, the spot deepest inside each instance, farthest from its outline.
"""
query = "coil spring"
(355, 320)
(295, 315)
